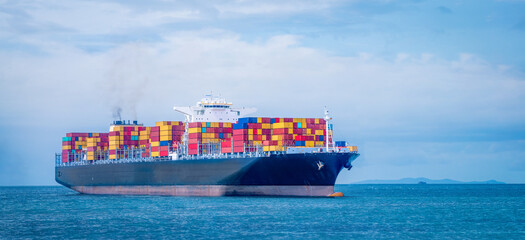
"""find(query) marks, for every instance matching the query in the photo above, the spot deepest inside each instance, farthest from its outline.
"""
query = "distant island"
(425, 181)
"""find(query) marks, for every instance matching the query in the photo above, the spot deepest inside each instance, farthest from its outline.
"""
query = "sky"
(430, 89)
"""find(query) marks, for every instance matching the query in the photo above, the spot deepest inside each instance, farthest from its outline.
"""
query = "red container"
(164, 148)
(195, 136)
(193, 151)
(155, 129)
(266, 120)
(280, 131)
(164, 153)
(154, 134)
(194, 125)
(240, 137)
(240, 131)
(154, 139)
(226, 150)
(77, 134)
(238, 149)
(192, 146)
(114, 133)
(194, 141)
(154, 149)
(226, 144)
(287, 119)
(240, 143)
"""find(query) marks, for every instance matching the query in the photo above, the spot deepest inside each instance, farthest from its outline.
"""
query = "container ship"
(215, 151)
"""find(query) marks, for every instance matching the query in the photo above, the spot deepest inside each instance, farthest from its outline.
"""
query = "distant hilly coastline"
(425, 180)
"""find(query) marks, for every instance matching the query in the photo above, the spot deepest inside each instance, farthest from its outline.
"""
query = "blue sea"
(366, 212)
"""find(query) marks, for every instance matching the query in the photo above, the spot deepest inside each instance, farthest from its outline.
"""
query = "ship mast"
(329, 132)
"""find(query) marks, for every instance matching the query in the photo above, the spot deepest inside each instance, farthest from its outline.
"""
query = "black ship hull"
(311, 174)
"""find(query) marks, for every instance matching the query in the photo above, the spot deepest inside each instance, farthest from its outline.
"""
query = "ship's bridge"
(213, 109)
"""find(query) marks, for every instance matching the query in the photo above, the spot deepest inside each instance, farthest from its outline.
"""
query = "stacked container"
(97, 144)
(204, 137)
(144, 140)
(115, 142)
(248, 134)
(165, 135)
(72, 146)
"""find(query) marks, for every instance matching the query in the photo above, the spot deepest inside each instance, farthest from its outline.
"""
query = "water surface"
(367, 212)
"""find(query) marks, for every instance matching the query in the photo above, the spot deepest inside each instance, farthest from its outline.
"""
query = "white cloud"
(71, 90)
(272, 7)
(87, 17)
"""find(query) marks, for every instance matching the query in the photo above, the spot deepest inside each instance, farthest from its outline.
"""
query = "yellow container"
(155, 154)
(264, 137)
(194, 130)
(266, 126)
(290, 130)
(166, 138)
(309, 143)
(259, 131)
(112, 156)
(66, 147)
(319, 132)
(266, 148)
(227, 125)
(259, 120)
(163, 123)
(255, 143)
(250, 137)
(155, 144)
(166, 128)
(276, 148)
(282, 125)
(277, 137)
(165, 133)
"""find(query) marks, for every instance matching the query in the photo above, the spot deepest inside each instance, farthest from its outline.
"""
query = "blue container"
(90, 135)
(208, 124)
(125, 146)
(340, 143)
(272, 121)
(330, 127)
(164, 143)
(220, 135)
(321, 138)
(240, 126)
(299, 143)
(299, 125)
(203, 130)
(76, 138)
(80, 146)
(248, 120)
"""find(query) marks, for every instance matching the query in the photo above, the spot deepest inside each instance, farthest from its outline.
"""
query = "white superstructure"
(213, 109)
